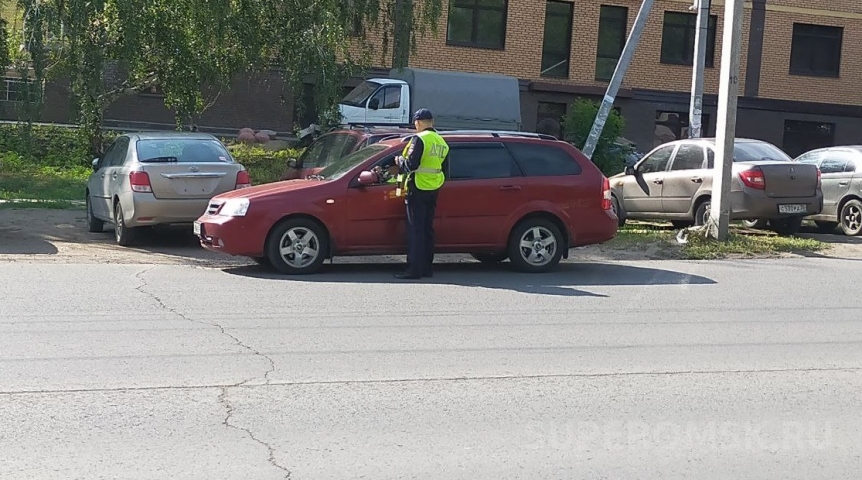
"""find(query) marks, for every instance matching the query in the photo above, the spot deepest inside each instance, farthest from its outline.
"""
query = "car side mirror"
(367, 178)
(291, 163)
(630, 170)
(374, 104)
(95, 164)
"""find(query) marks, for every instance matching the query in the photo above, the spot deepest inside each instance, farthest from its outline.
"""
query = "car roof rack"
(367, 126)
(500, 133)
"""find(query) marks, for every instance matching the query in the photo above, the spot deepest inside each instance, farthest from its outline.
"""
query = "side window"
(657, 162)
(392, 97)
(710, 158)
(315, 155)
(543, 160)
(688, 157)
(811, 158)
(855, 165)
(119, 152)
(341, 146)
(836, 162)
(105, 160)
(481, 161)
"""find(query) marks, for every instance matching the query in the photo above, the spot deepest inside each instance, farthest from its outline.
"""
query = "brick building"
(801, 75)
(801, 78)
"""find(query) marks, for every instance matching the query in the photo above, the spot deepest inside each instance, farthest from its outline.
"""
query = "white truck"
(458, 100)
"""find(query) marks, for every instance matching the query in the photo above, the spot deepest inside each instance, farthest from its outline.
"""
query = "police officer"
(422, 161)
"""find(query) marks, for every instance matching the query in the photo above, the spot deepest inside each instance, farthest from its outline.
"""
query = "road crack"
(222, 398)
(144, 284)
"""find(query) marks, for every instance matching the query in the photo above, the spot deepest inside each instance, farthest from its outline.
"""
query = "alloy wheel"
(852, 218)
(299, 247)
(538, 246)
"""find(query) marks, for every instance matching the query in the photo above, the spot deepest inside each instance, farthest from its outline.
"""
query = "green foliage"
(263, 166)
(21, 178)
(608, 156)
(192, 49)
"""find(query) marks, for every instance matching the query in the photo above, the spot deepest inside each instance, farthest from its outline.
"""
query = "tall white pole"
(617, 78)
(728, 92)
(701, 38)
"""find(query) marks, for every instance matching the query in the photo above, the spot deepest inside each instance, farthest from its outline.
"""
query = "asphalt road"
(725, 369)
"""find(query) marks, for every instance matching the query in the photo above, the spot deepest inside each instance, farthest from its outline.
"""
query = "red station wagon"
(525, 197)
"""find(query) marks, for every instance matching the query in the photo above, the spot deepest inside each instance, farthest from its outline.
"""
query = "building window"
(677, 42)
(801, 137)
(670, 126)
(477, 23)
(549, 118)
(816, 50)
(557, 46)
(13, 90)
(613, 25)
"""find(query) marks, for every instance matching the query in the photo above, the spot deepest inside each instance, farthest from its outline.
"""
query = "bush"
(264, 166)
(58, 147)
(52, 151)
(608, 155)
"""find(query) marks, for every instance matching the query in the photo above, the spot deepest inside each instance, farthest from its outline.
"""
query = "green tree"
(609, 156)
(192, 48)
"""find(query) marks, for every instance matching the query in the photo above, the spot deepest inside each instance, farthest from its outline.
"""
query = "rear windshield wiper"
(161, 160)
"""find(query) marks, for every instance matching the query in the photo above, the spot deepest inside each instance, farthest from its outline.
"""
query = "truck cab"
(378, 101)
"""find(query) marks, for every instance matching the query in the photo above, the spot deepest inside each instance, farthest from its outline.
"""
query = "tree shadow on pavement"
(565, 281)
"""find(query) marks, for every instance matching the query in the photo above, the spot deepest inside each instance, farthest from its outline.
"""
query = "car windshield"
(755, 151)
(339, 168)
(359, 95)
(182, 150)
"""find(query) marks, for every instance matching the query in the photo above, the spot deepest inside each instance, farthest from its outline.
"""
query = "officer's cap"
(422, 114)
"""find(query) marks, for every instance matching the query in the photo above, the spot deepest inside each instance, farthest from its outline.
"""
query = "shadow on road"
(565, 281)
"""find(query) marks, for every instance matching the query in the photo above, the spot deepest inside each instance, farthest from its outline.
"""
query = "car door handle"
(696, 179)
(510, 187)
(114, 176)
(843, 184)
(103, 175)
(658, 181)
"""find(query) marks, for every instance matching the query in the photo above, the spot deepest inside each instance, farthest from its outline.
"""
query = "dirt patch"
(45, 235)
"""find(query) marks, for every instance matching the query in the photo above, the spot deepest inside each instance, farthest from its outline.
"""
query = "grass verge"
(661, 242)
(20, 180)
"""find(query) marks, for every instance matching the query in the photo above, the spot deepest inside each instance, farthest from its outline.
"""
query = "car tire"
(490, 258)
(94, 225)
(851, 218)
(755, 224)
(701, 215)
(615, 205)
(786, 226)
(295, 233)
(826, 227)
(680, 224)
(526, 239)
(124, 235)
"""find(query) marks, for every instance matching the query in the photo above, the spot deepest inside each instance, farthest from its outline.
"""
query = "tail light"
(243, 180)
(753, 178)
(606, 194)
(819, 179)
(140, 182)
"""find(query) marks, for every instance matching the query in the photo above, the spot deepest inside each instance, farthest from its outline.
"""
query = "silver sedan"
(158, 178)
(841, 169)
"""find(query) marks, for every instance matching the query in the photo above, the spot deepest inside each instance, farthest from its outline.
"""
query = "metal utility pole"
(617, 79)
(695, 116)
(728, 92)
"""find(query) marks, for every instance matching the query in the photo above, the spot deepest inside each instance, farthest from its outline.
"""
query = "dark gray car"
(841, 170)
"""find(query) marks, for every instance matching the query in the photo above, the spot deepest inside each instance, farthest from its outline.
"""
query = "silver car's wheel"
(851, 218)
(124, 234)
(94, 225)
(297, 246)
(536, 245)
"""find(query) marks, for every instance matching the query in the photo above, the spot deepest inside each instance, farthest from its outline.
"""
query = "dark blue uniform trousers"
(421, 206)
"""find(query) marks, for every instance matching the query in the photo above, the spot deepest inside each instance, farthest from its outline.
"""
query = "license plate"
(792, 208)
(197, 228)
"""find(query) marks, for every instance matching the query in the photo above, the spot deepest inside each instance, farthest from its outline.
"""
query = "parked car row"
(674, 182)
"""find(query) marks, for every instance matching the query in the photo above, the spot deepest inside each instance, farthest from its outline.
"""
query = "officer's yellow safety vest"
(429, 175)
